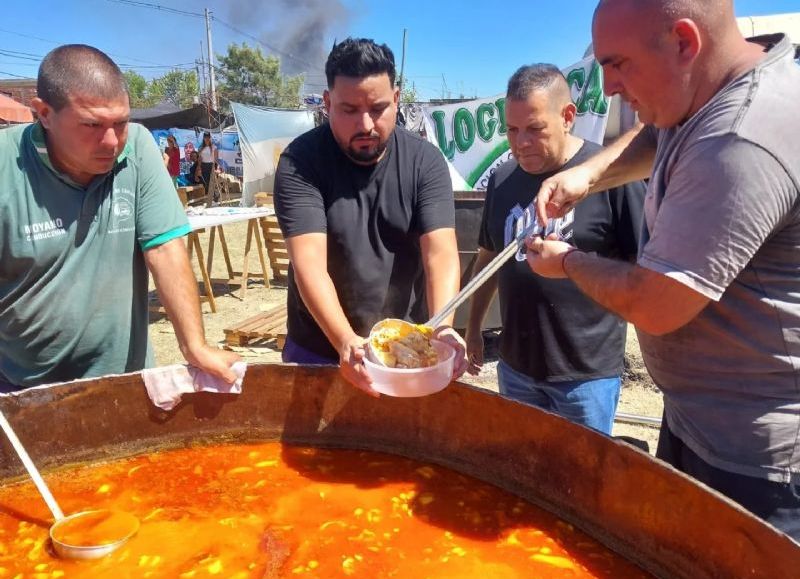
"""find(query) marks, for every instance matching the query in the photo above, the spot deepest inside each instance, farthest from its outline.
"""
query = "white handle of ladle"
(31, 468)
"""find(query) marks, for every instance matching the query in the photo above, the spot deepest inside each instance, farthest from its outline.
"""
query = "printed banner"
(188, 140)
(472, 134)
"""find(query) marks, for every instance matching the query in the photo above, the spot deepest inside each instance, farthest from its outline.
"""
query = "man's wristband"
(564, 259)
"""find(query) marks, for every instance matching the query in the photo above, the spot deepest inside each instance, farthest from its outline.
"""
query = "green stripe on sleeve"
(168, 236)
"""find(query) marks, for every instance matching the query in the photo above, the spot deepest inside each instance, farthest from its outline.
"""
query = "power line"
(49, 41)
(158, 7)
(12, 74)
(182, 65)
(38, 58)
(3, 53)
(231, 27)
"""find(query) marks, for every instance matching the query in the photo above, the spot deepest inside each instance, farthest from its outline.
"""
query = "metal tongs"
(482, 276)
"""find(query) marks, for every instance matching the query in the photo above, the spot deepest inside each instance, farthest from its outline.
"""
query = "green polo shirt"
(73, 280)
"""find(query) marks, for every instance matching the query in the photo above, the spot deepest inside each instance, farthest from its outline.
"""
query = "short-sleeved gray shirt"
(73, 280)
(722, 215)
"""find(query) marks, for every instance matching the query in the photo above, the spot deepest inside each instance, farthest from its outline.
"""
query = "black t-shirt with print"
(552, 331)
(373, 217)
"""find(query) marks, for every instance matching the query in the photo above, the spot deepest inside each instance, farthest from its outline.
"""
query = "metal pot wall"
(647, 512)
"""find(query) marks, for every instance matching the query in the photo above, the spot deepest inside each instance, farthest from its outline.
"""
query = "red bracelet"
(564, 259)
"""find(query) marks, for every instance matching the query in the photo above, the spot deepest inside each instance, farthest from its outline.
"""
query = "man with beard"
(368, 215)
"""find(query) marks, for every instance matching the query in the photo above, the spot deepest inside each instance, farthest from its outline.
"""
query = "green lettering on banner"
(490, 158)
(591, 99)
(486, 127)
(449, 149)
(463, 129)
(501, 114)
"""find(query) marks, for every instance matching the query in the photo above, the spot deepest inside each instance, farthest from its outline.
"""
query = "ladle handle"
(31, 468)
(481, 277)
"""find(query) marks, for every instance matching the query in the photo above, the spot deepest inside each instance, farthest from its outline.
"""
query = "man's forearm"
(442, 267)
(442, 283)
(651, 301)
(319, 295)
(608, 282)
(177, 289)
(629, 158)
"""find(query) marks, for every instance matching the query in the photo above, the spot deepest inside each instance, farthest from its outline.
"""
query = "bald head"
(78, 69)
(710, 15)
(546, 78)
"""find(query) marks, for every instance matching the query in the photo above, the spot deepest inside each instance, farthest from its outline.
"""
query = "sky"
(453, 48)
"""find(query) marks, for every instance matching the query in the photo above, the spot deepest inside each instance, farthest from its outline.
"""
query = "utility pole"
(199, 86)
(212, 80)
(403, 64)
(201, 73)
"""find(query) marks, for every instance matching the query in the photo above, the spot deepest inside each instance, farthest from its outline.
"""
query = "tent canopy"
(13, 112)
(167, 116)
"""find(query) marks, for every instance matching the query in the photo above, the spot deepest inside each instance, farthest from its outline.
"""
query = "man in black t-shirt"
(368, 215)
(558, 349)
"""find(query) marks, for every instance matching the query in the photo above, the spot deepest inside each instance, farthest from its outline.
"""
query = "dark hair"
(533, 77)
(357, 58)
(78, 69)
(203, 141)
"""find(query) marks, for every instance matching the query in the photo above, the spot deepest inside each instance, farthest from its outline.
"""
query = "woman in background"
(208, 162)
(172, 159)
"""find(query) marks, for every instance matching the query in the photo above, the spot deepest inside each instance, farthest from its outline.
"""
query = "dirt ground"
(639, 395)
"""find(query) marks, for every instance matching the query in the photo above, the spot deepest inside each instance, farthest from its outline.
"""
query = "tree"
(137, 89)
(247, 76)
(408, 92)
(178, 87)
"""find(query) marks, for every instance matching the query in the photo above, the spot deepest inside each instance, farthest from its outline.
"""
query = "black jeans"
(775, 502)
(206, 169)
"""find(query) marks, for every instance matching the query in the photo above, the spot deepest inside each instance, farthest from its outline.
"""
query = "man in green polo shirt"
(86, 208)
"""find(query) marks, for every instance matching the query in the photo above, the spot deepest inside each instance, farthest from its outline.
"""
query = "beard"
(366, 155)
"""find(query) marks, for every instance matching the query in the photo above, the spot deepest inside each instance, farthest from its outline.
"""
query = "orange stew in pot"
(272, 510)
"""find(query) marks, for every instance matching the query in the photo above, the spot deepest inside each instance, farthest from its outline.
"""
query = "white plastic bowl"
(411, 382)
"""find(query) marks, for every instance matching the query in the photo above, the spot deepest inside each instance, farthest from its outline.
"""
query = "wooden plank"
(264, 326)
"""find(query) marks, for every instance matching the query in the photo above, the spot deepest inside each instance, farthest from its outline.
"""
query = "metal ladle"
(477, 281)
(78, 550)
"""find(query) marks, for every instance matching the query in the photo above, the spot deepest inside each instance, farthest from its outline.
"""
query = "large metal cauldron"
(649, 513)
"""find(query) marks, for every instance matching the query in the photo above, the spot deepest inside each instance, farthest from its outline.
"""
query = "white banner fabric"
(263, 134)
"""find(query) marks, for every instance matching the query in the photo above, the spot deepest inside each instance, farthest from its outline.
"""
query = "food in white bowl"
(389, 372)
(400, 344)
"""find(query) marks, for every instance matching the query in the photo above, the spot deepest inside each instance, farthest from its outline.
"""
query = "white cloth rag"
(167, 384)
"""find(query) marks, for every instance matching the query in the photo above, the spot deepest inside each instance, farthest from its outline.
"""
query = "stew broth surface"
(273, 510)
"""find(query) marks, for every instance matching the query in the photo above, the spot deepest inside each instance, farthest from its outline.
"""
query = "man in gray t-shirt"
(714, 294)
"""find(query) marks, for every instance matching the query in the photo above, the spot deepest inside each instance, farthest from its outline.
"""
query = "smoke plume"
(299, 31)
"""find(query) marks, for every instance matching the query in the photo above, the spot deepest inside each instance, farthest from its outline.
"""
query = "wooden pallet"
(269, 325)
(276, 248)
(273, 240)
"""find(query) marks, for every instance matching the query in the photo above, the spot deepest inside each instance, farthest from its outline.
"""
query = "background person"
(559, 350)
(172, 159)
(208, 154)
(88, 209)
(713, 294)
(368, 214)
